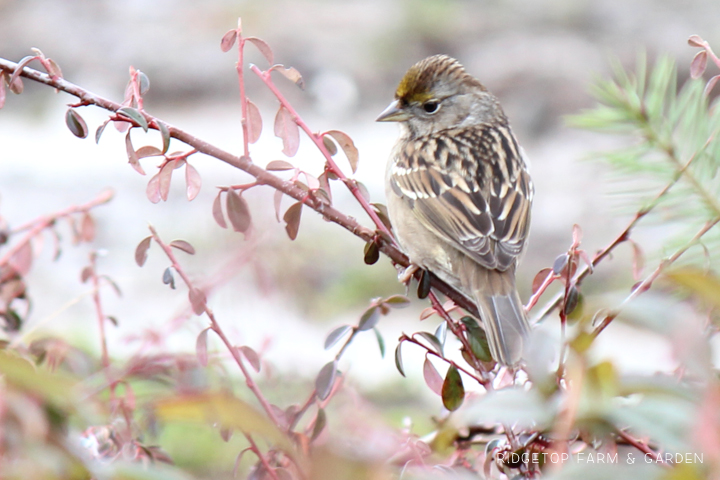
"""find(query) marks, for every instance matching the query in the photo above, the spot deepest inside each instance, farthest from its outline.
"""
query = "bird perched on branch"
(459, 193)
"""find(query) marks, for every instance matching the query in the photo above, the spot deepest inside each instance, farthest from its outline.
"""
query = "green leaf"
(381, 342)
(336, 335)
(398, 359)
(325, 380)
(433, 340)
(320, 422)
(397, 301)
(76, 124)
(134, 115)
(165, 133)
(369, 318)
(453, 391)
(477, 338)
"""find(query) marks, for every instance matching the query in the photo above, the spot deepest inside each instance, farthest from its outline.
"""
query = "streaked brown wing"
(476, 197)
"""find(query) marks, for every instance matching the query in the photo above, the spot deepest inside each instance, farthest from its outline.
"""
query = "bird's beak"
(393, 113)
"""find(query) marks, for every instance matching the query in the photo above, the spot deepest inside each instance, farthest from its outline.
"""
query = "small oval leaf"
(141, 251)
(540, 278)
(381, 342)
(168, 278)
(477, 338)
(325, 380)
(398, 359)
(263, 47)
(201, 347)
(192, 181)
(453, 391)
(292, 220)
(336, 335)
(372, 253)
(152, 191)
(369, 318)
(348, 146)
(287, 130)
(433, 340)
(217, 210)
(397, 301)
(698, 64)
(183, 245)
(252, 357)
(76, 124)
(320, 422)
(432, 377)
(238, 211)
(329, 145)
(228, 40)
(132, 156)
(254, 122)
(134, 115)
(100, 130)
(279, 166)
(165, 133)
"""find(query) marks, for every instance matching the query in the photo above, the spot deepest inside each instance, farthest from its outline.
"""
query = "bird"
(459, 194)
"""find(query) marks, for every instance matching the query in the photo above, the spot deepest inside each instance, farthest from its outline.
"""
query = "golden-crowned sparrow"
(459, 193)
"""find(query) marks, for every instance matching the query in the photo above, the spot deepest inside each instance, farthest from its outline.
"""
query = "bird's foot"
(406, 274)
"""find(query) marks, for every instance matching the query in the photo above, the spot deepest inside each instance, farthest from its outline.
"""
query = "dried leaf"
(217, 210)
(346, 143)
(228, 40)
(325, 380)
(336, 335)
(254, 122)
(193, 182)
(21, 260)
(369, 318)
(252, 357)
(291, 74)
(164, 179)
(152, 191)
(292, 220)
(87, 228)
(76, 124)
(288, 131)
(134, 115)
(201, 347)
(540, 279)
(141, 251)
(238, 211)
(698, 64)
(183, 245)
(279, 166)
(168, 278)
(372, 253)
(198, 300)
(132, 156)
(263, 47)
(398, 359)
(453, 391)
(432, 377)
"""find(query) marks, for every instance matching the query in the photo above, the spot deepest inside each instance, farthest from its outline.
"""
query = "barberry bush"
(68, 413)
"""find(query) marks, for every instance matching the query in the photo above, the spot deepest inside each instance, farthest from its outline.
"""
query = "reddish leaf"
(252, 357)
(346, 143)
(217, 210)
(153, 189)
(453, 391)
(363, 190)
(201, 347)
(292, 220)
(183, 245)
(86, 274)
(278, 166)
(696, 41)
(87, 228)
(21, 260)
(263, 47)
(228, 40)
(312, 182)
(134, 115)
(132, 156)
(540, 279)
(148, 151)
(254, 122)
(291, 74)
(711, 84)
(197, 300)
(432, 377)
(226, 434)
(325, 380)
(76, 124)
(141, 251)
(193, 181)
(277, 200)
(18, 70)
(576, 234)
(238, 211)
(164, 179)
(288, 131)
(100, 130)
(698, 64)
(54, 69)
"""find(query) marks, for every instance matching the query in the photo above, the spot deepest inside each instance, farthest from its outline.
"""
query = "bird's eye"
(431, 106)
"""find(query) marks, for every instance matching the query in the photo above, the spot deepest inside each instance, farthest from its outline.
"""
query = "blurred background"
(282, 298)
